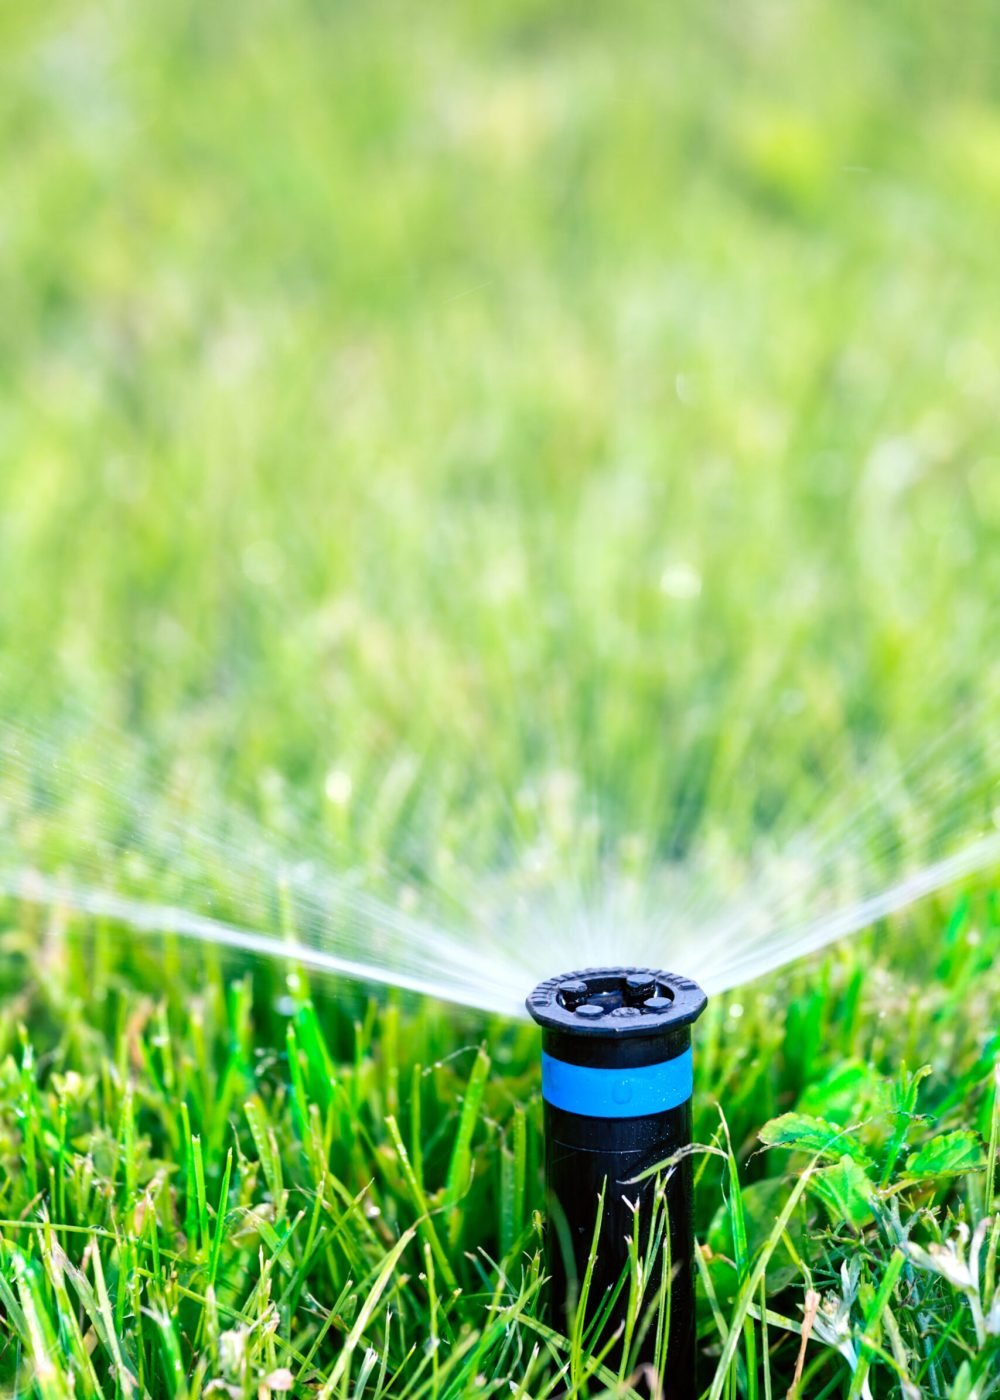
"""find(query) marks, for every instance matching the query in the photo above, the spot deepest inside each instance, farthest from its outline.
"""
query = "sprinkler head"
(617, 1081)
(623, 1001)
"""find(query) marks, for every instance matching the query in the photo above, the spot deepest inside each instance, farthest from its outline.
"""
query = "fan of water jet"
(99, 839)
(227, 882)
(147, 917)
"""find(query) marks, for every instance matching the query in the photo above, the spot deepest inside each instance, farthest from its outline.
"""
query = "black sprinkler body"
(617, 1084)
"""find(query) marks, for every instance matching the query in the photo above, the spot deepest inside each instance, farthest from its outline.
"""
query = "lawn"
(476, 459)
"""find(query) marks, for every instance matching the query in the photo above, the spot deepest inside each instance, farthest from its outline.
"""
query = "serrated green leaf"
(846, 1191)
(948, 1154)
(840, 1096)
(802, 1133)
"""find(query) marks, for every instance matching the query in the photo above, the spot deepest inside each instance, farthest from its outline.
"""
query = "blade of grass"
(364, 1315)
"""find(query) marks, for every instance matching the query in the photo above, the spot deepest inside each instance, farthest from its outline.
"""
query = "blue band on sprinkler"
(617, 1093)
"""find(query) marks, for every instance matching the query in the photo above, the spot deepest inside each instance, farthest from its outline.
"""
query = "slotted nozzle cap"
(616, 1002)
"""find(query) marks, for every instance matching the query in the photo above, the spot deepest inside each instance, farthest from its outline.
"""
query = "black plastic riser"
(581, 1153)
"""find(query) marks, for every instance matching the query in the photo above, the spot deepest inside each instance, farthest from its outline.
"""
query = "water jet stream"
(97, 840)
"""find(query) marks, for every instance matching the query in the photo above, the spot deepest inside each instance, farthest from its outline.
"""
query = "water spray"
(617, 1083)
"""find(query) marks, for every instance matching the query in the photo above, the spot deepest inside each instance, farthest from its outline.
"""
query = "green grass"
(228, 1182)
(578, 429)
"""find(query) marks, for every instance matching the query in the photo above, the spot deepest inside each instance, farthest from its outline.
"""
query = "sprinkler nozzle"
(617, 1082)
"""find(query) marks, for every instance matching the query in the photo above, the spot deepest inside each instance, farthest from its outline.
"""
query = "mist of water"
(98, 838)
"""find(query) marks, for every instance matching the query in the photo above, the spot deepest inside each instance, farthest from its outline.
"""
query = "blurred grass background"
(502, 393)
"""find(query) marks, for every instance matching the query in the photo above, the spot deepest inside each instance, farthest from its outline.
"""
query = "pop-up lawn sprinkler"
(617, 1084)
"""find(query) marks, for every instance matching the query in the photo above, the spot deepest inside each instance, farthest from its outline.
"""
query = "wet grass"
(210, 1182)
(478, 439)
